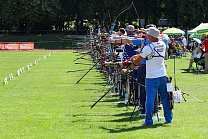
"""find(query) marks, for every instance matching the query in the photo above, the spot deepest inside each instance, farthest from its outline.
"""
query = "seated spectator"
(200, 55)
(177, 45)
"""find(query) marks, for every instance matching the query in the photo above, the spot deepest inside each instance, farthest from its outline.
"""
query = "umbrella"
(203, 29)
(173, 31)
(197, 40)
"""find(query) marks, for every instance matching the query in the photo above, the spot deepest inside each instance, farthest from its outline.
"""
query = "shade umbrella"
(203, 29)
(197, 40)
(173, 31)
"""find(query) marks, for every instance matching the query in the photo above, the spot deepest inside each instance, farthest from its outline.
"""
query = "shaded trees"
(29, 13)
(59, 14)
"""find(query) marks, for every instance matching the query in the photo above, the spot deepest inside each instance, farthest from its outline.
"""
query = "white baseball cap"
(130, 28)
(154, 32)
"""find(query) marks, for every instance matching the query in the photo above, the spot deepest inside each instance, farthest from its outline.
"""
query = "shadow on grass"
(84, 82)
(127, 114)
(117, 130)
(126, 119)
(92, 89)
(91, 115)
(110, 100)
(192, 72)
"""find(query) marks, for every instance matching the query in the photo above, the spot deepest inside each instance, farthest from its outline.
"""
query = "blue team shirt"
(138, 42)
(165, 41)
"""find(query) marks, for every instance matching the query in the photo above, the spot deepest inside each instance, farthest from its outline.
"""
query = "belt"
(143, 65)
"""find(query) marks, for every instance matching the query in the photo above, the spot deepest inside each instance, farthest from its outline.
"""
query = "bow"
(114, 23)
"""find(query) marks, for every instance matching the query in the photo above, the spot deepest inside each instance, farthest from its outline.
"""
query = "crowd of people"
(147, 51)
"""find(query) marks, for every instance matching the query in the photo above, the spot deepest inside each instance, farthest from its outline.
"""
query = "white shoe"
(138, 109)
(144, 123)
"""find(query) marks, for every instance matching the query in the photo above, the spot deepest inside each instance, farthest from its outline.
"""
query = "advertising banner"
(1, 46)
(11, 46)
(16, 45)
(26, 45)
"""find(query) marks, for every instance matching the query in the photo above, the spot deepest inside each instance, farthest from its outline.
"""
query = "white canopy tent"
(189, 32)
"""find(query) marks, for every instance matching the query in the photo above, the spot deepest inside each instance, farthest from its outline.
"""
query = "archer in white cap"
(130, 30)
(155, 75)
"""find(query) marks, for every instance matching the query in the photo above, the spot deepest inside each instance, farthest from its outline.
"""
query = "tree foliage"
(59, 14)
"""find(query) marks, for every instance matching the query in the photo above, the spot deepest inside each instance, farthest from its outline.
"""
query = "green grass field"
(45, 102)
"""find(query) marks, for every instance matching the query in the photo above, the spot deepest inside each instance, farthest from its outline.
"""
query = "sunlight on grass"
(45, 102)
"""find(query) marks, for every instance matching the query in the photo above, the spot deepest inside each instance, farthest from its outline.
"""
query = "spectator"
(171, 46)
(200, 55)
(184, 45)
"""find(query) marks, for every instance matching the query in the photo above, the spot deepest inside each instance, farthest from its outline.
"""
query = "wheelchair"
(200, 65)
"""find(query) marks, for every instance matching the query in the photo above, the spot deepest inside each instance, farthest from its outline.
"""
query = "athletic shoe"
(166, 122)
(144, 123)
(187, 70)
(138, 109)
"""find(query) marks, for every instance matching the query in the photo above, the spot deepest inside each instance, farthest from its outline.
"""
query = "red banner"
(28, 45)
(10, 46)
(16, 45)
(1, 46)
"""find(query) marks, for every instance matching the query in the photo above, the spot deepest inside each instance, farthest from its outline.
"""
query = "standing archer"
(155, 75)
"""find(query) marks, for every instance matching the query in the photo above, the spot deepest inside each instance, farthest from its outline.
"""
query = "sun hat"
(130, 28)
(154, 32)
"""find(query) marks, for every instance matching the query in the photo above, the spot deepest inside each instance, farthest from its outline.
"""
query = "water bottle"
(126, 98)
(160, 118)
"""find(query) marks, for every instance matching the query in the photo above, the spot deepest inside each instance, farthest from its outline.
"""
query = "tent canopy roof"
(196, 28)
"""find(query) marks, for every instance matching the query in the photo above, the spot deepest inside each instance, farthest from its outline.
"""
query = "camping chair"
(200, 63)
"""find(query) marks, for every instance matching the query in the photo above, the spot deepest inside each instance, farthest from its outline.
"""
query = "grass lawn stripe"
(46, 102)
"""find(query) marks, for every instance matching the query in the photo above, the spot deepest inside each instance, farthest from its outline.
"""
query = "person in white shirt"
(184, 44)
(200, 54)
(155, 75)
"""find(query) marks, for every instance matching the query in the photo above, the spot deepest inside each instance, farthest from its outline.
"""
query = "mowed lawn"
(46, 102)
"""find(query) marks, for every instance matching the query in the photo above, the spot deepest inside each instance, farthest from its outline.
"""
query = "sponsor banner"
(16, 45)
(1, 46)
(11, 46)
(26, 45)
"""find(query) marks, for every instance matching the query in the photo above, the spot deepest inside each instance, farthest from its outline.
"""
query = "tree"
(29, 12)
(46, 14)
